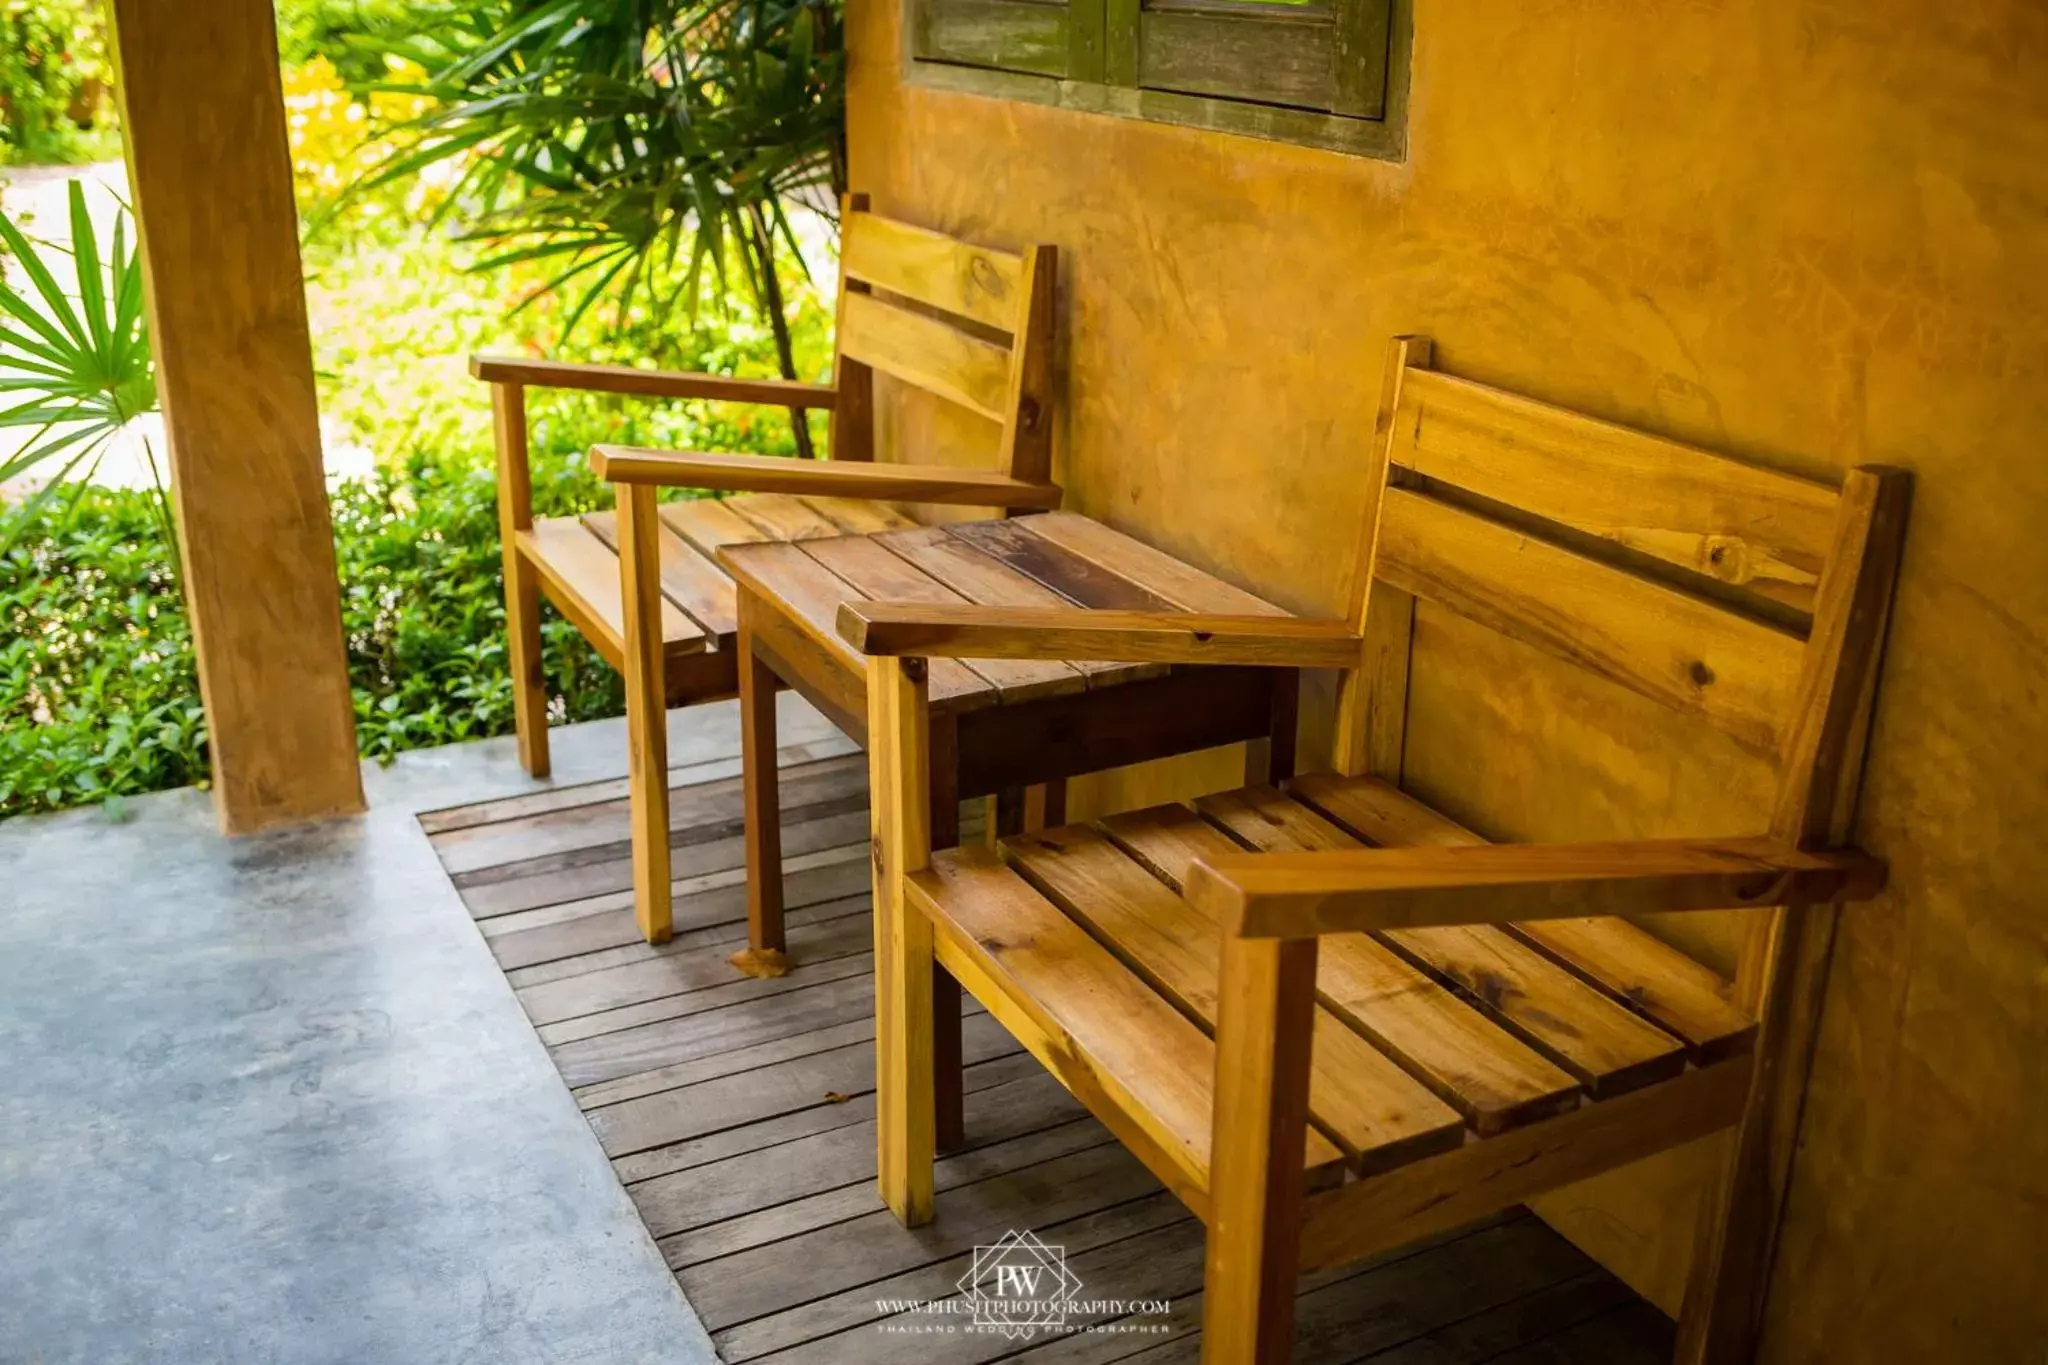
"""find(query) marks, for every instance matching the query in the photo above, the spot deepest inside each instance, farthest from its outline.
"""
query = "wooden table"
(999, 727)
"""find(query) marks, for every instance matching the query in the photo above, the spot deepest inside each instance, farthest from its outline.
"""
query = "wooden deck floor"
(740, 1116)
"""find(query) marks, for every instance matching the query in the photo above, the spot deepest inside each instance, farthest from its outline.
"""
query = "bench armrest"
(1303, 895)
(976, 632)
(560, 374)
(828, 478)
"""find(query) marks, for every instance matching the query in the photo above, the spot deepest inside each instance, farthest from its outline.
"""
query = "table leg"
(1286, 719)
(766, 951)
(1045, 805)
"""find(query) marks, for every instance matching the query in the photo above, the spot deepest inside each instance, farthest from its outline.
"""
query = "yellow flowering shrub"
(327, 129)
(335, 137)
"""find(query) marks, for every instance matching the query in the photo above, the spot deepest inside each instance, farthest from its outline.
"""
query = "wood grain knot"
(986, 277)
(1701, 675)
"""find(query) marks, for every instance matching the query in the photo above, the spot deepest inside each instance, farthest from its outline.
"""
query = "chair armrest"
(1302, 895)
(559, 374)
(830, 478)
(976, 632)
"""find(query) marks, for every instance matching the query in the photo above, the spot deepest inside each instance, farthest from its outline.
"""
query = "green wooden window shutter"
(1058, 38)
(1320, 73)
(1322, 56)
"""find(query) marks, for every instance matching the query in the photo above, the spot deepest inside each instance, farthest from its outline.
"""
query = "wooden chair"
(644, 585)
(1326, 1016)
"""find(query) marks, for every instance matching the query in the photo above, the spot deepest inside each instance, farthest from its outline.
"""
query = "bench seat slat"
(1132, 1058)
(1631, 964)
(1608, 1048)
(1493, 1079)
(693, 583)
(709, 523)
(858, 516)
(1364, 1101)
(581, 574)
(784, 516)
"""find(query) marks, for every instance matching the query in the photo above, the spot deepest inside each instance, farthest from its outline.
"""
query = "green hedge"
(99, 696)
(423, 605)
(98, 691)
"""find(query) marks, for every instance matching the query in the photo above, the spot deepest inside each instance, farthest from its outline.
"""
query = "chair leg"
(899, 765)
(1264, 1023)
(522, 584)
(904, 1037)
(529, 680)
(949, 1078)
(646, 711)
(1744, 1199)
(766, 953)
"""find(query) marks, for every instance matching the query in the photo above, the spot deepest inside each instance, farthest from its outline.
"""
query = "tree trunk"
(778, 321)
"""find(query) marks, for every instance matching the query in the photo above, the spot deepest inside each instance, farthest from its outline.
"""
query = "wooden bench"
(971, 324)
(1325, 1015)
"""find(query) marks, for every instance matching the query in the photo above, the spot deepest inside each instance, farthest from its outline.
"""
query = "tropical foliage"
(633, 145)
(436, 251)
(55, 83)
(99, 695)
(75, 365)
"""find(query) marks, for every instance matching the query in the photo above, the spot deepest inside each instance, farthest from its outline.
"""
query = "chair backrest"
(1753, 600)
(968, 324)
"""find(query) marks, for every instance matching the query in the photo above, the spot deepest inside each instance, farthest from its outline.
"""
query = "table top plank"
(1045, 560)
(1180, 584)
(1080, 581)
(989, 582)
(878, 575)
(781, 573)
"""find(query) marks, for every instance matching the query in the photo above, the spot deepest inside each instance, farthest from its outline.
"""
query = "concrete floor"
(271, 1099)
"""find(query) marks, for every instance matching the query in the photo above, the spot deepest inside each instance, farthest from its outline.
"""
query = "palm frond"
(76, 363)
(655, 126)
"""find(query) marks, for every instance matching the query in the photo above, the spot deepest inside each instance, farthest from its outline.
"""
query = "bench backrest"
(1753, 600)
(968, 324)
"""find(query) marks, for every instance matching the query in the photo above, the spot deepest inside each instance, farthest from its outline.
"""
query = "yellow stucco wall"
(1814, 234)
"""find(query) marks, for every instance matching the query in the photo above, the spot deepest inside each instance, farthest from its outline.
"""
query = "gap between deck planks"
(739, 1115)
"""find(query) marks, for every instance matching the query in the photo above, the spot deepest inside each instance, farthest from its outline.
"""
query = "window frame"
(1382, 138)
